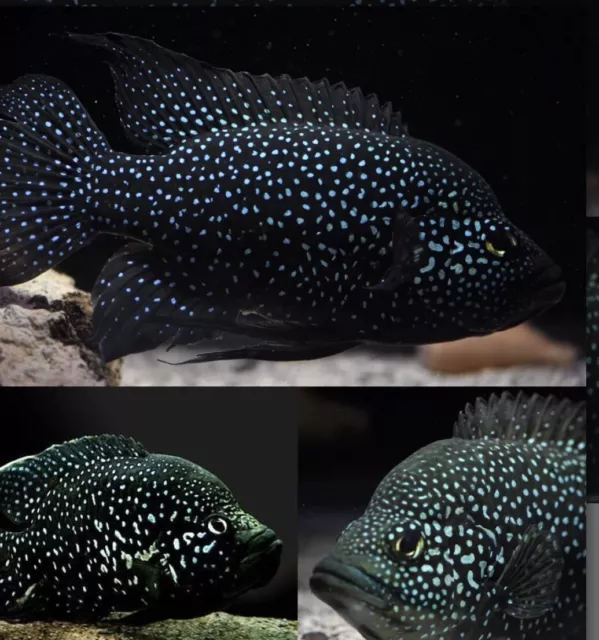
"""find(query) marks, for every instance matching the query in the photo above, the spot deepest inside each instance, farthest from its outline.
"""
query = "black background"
(247, 437)
(503, 89)
(340, 475)
(593, 30)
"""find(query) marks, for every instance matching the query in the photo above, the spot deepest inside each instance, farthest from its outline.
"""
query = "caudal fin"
(48, 146)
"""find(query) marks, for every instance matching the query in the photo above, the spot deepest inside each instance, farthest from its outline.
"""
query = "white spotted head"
(413, 565)
(476, 271)
(209, 549)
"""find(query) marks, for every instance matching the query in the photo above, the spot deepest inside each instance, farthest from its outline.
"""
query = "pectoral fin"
(531, 578)
(408, 254)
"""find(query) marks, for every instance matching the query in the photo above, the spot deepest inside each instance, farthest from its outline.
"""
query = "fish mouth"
(350, 592)
(262, 557)
(549, 287)
(546, 291)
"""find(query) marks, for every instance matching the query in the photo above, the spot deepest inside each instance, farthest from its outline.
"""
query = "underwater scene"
(473, 527)
(391, 206)
(110, 528)
(348, 198)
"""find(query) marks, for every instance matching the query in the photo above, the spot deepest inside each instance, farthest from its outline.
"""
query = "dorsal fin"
(24, 482)
(165, 97)
(525, 417)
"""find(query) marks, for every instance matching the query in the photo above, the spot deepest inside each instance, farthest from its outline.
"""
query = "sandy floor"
(355, 368)
(317, 621)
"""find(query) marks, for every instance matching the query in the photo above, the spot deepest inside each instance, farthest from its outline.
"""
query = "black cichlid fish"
(480, 537)
(98, 524)
(297, 213)
(592, 358)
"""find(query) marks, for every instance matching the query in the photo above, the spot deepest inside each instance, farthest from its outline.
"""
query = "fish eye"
(409, 546)
(218, 525)
(499, 241)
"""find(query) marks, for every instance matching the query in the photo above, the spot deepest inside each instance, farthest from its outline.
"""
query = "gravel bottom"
(359, 368)
(317, 621)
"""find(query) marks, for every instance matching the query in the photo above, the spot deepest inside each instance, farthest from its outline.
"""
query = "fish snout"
(334, 581)
(262, 554)
(548, 286)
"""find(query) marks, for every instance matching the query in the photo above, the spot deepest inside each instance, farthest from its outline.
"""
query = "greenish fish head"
(214, 560)
(413, 566)
(209, 550)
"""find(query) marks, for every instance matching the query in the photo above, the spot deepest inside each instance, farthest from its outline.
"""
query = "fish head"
(221, 557)
(410, 567)
(496, 276)
(469, 269)
(209, 549)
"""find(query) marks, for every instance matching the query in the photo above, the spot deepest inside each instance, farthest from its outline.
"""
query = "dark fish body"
(300, 214)
(480, 537)
(98, 525)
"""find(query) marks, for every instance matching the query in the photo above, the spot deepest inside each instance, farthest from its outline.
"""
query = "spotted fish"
(98, 524)
(298, 214)
(481, 536)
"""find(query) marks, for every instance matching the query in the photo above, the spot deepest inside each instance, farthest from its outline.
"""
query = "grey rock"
(45, 336)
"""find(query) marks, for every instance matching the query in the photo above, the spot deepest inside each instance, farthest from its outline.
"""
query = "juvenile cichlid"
(299, 214)
(480, 537)
(98, 524)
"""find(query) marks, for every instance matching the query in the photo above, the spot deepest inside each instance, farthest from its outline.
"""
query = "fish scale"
(499, 512)
(298, 213)
(103, 525)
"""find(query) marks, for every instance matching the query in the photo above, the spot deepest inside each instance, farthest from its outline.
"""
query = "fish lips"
(549, 287)
(349, 590)
(545, 292)
(262, 558)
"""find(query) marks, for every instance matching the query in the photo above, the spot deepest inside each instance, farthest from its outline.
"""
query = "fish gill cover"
(300, 214)
(481, 536)
(99, 524)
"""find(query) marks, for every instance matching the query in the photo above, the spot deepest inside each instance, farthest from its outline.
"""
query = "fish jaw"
(260, 562)
(362, 601)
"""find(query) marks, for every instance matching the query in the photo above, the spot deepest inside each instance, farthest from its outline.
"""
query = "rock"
(217, 626)
(520, 346)
(45, 336)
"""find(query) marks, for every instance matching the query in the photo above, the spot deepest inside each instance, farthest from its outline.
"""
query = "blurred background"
(368, 433)
(248, 438)
(502, 89)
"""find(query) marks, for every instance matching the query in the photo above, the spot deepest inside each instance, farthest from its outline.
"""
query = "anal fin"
(272, 353)
(141, 304)
(138, 306)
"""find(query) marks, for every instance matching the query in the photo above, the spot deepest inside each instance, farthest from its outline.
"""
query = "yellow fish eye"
(491, 249)
(409, 547)
(498, 243)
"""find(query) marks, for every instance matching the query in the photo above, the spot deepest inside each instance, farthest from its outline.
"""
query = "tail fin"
(48, 146)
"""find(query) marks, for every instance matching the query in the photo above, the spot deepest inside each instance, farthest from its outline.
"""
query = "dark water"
(241, 441)
(502, 89)
(341, 475)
